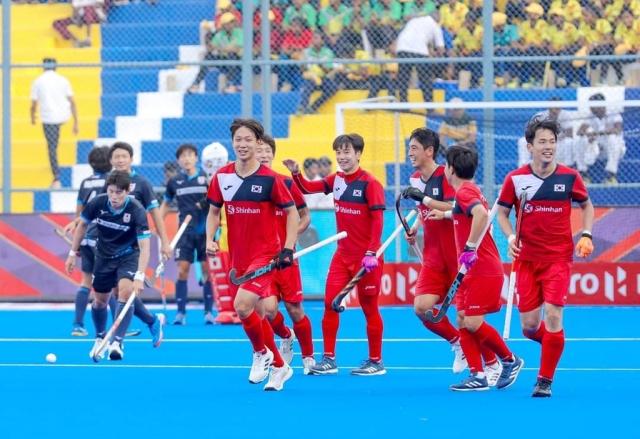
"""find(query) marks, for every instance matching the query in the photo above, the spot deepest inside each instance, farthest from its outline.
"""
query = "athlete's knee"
(553, 318)
(86, 280)
(270, 306)
(530, 321)
(472, 323)
(295, 311)
(101, 301)
(244, 305)
(183, 270)
(460, 320)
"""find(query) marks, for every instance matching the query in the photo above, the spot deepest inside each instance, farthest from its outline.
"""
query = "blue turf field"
(195, 385)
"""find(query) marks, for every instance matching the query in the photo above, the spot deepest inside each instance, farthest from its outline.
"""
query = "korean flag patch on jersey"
(357, 193)
(257, 189)
(126, 217)
(558, 188)
(201, 179)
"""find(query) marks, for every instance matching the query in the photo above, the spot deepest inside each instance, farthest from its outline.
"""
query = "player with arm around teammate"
(359, 206)
(187, 188)
(545, 254)
(122, 255)
(479, 291)
(250, 193)
(287, 284)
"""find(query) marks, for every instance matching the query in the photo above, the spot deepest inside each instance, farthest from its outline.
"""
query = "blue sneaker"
(181, 319)
(327, 366)
(79, 331)
(510, 371)
(369, 368)
(133, 332)
(156, 330)
(472, 384)
(209, 319)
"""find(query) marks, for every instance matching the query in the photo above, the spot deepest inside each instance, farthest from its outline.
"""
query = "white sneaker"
(493, 373)
(307, 364)
(460, 362)
(260, 366)
(286, 347)
(94, 350)
(278, 376)
(115, 351)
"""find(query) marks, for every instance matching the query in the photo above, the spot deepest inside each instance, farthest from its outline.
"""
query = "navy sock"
(142, 312)
(82, 299)
(181, 295)
(207, 292)
(99, 316)
(113, 306)
(121, 330)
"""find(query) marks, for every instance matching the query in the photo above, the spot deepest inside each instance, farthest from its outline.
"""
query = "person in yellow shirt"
(561, 38)
(572, 9)
(531, 43)
(452, 15)
(361, 76)
(613, 9)
(468, 42)
(596, 34)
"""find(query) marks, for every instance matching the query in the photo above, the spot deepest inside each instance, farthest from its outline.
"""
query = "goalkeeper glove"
(585, 246)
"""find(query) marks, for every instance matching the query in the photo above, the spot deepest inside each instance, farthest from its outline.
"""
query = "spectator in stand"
(85, 13)
(208, 28)
(358, 18)
(332, 20)
(626, 36)
(325, 166)
(300, 9)
(226, 44)
(386, 21)
(468, 43)
(452, 15)
(319, 76)
(561, 38)
(457, 129)
(365, 76)
(312, 172)
(531, 43)
(572, 9)
(505, 38)
(417, 8)
(295, 41)
(275, 18)
(597, 35)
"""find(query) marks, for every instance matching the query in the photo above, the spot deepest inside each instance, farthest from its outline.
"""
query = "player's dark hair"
(184, 148)
(99, 159)
(463, 160)
(540, 123)
(309, 163)
(270, 141)
(120, 179)
(324, 161)
(427, 138)
(252, 124)
(121, 145)
(353, 139)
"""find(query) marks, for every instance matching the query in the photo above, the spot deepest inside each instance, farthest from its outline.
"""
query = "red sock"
(487, 335)
(280, 329)
(330, 323)
(303, 334)
(552, 347)
(537, 335)
(443, 329)
(270, 342)
(488, 356)
(375, 326)
(471, 349)
(253, 327)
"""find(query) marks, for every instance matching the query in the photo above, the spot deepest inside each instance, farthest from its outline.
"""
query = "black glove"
(284, 259)
(204, 204)
(414, 193)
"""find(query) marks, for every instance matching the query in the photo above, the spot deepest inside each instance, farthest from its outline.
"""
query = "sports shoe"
(542, 389)
(208, 318)
(327, 366)
(510, 371)
(370, 368)
(94, 350)
(227, 318)
(133, 332)
(180, 319)
(493, 373)
(460, 361)
(472, 384)
(286, 347)
(278, 376)
(260, 366)
(307, 364)
(115, 351)
(156, 330)
(79, 331)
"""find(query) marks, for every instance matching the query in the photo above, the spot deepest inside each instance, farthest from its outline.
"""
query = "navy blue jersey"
(187, 192)
(142, 190)
(89, 189)
(118, 232)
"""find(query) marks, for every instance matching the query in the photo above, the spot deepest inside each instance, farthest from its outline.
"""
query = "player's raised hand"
(585, 246)
(291, 165)
(212, 248)
(70, 264)
(435, 214)
(513, 250)
(411, 237)
(413, 193)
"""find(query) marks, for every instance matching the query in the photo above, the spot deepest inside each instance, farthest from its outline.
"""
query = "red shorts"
(287, 284)
(479, 295)
(342, 270)
(542, 282)
(261, 285)
(432, 281)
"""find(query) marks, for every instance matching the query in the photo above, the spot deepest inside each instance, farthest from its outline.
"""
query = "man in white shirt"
(413, 42)
(54, 94)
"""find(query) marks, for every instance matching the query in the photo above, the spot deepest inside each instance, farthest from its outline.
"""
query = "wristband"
(470, 245)
(511, 238)
(586, 234)
(448, 214)
(370, 253)
(73, 253)
(426, 200)
(139, 276)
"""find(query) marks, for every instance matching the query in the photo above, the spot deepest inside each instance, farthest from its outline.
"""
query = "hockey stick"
(337, 301)
(105, 341)
(163, 292)
(163, 260)
(430, 316)
(61, 234)
(267, 268)
(407, 229)
(512, 276)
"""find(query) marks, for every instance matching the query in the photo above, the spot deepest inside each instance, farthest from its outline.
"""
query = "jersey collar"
(196, 175)
(118, 212)
(133, 173)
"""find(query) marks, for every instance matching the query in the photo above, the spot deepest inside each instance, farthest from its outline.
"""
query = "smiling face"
(347, 158)
(543, 148)
(264, 154)
(121, 160)
(418, 155)
(244, 144)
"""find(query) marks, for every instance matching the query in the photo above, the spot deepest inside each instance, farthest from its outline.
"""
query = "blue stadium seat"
(121, 104)
(214, 127)
(164, 12)
(223, 103)
(170, 33)
(107, 128)
(138, 54)
(129, 80)
(153, 152)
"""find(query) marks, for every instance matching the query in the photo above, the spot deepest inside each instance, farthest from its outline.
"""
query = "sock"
(207, 294)
(488, 356)
(303, 334)
(82, 299)
(181, 295)
(121, 330)
(488, 336)
(270, 342)
(443, 329)
(471, 348)
(99, 316)
(537, 335)
(330, 323)
(113, 306)
(142, 312)
(375, 326)
(552, 347)
(253, 328)
(279, 327)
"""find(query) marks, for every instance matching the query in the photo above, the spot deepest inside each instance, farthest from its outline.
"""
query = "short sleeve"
(90, 211)
(507, 196)
(147, 196)
(214, 194)
(67, 88)
(468, 198)
(280, 195)
(170, 192)
(579, 192)
(375, 195)
(449, 193)
(142, 224)
(35, 90)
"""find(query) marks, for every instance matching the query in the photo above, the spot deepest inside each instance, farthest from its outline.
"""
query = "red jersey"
(356, 198)
(545, 231)
(439, 251)
(251, 204)
(469, 196)
(299, 201)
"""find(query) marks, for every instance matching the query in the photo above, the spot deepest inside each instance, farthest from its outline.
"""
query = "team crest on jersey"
(201, 179)
(132, 187)
(558, 188)
(126, 217)
(357, 192)
(257, 189)
(436, 191)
